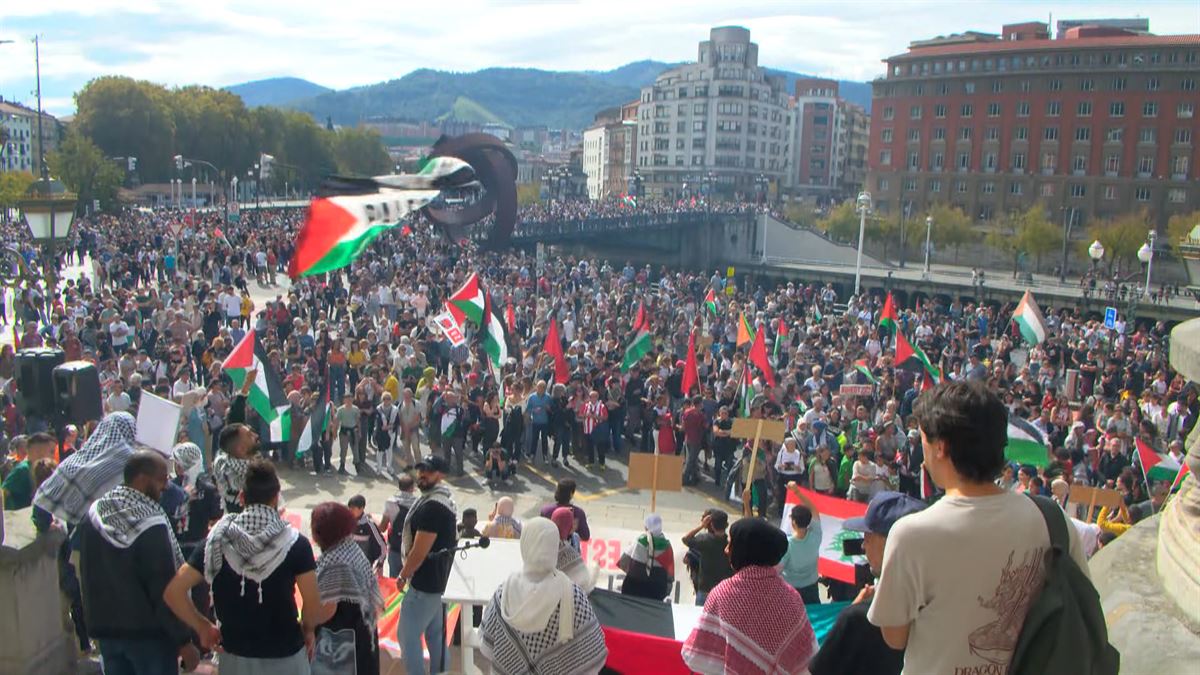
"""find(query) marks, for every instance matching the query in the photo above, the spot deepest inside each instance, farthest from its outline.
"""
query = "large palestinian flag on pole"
(1029, 319)
(834, 512)
(337, 229)
(318, 421)
(473, 303)
(1156, 466)
(641, 345)
(266, 394)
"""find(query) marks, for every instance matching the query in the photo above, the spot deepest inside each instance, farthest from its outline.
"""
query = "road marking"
(540, 474)
(724, 506)
(607, 492)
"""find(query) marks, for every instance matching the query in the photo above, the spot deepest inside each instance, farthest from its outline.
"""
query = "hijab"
(529, 597)
(190, 459)
(564, 519)
(753, 541)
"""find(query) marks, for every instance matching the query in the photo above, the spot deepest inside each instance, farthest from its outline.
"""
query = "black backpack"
(1064, 631)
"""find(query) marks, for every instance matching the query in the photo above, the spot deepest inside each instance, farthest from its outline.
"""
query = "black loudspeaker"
(77, 389)
(35, 381)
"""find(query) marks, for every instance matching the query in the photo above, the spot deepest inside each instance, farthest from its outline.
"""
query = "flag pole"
(654, 482)
(746, 491)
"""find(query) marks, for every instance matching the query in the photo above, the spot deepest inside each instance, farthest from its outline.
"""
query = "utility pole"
(37, 64)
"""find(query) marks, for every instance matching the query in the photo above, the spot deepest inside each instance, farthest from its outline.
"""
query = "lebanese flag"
(338, 229)
(691, 375)
(553, 347)
(1156, 466)
(834, 512)
(758, 356)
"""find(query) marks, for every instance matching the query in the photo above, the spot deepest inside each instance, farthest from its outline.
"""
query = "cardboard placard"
(772, 430)
(157, 423)
(641, 472)
(703, 343)
(857, 389)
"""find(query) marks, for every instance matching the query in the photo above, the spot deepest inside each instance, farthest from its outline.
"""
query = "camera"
(852, 547)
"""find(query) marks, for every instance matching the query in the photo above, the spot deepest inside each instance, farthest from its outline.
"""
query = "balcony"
(1179, 176)
(1047, 171)
(1018, 171)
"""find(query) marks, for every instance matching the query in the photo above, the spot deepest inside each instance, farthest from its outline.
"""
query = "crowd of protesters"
(161, 313)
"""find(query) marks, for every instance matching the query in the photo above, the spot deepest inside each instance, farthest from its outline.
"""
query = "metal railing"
(580, 227)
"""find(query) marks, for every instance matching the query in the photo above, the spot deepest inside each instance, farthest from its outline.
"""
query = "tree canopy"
(1121, 236)
(80, 165)
(842, 222)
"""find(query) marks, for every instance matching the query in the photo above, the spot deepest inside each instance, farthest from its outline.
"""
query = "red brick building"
(829, 139)
(1097, 122)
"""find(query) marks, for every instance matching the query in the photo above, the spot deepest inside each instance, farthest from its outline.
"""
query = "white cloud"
(355, 42)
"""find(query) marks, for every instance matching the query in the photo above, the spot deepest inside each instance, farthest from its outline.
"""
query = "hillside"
(276, 91)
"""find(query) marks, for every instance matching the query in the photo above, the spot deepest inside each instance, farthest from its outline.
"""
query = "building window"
(1177, 195)
(1187, 84)
(1142, 194)
(935, 185)
(1020, 133)
(939, 110)
(1114, 135)
(1049, 162)
(699, 108)
(1053, 108)
(914, 160)
(964, 161)
(886, 135)
(1016, 189)
(967, 110)
(960, 186)
(885, 157)
(1150, 109)
(1145, 165)
(1112, 164)
(964, 134)
(1179, 166)
(943, 89)
(992, 133)
(989, 161)
(1084, 109)
(1023, 109)
(1018, 161)
(914, 134)
(1083, 134)
(1078, 190)
(1079, 163)
(1185, 111)
(1050, 133)
(1025, 86)
(1152, 84)
(1148, 135)
(889, 113)
(1110, 192)
(1116, 109)
(997, 86)
(989, 188)
(914, 112)
(939, 133)
(969, 87)
(1054, 85)
(939, 161)
(1087, 84)
(910, 185)
(681, 127)
(1183, 136)
(1118, 84)
(698, 125)
(993, 110)
(883, 184)
(1047, 189)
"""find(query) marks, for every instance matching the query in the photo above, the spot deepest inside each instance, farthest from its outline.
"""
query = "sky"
(355, 42)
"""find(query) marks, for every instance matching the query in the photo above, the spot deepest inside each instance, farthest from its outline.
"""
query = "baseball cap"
(433, 463)
(883, 512)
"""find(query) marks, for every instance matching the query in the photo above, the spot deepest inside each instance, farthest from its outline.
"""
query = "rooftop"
(973, 42)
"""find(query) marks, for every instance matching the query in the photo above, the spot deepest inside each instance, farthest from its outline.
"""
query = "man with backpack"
(959, 578)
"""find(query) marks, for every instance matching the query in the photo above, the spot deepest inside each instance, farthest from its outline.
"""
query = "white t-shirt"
(119, 331)
(963, 572)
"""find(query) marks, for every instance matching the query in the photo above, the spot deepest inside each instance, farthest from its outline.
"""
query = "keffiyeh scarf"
(344, 573)
(229, 473)
(88, 474)
(190, 457)
(253, 543)
(438, 493)
(123, 514)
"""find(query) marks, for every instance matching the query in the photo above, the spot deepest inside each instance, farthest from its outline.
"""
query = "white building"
(16, 154)
(720, 124)
(595, 152)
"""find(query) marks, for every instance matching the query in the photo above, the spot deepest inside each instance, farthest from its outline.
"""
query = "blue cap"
(883, 512)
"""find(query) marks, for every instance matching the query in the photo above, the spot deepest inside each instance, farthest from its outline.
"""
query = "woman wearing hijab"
(569, 560)
(649, 565)
(503, 525)
(753, 622)
(346, 638)
(88, 474)
(538, 620)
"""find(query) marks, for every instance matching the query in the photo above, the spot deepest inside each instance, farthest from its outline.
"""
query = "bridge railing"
(532, 230)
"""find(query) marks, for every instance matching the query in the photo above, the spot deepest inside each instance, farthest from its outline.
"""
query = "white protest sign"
(450, 328)
(157, 423)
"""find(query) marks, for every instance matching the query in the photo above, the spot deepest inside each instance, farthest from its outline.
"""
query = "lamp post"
(1146, 255)
(49, 211)
(928, 235)
(864, 207)
(1096, 253)
(193, 192)
(1068, 221)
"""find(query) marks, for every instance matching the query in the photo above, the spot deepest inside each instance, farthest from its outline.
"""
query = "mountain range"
(513, 96)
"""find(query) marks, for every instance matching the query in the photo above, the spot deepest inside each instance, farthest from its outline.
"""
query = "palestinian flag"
(905, 351)
(746, 391)
(553, 347)
(495, 337)
(1029, 319)
(888, 318)
(266, 395)
(710, 301)
(745, 334)
(338, 229)
(780, 338)
(642, 343)
(817, 315)
(450, 422)
(318, 421)
(1183, 473)
(1156, 466)
(834, 513)
(1026, 445)
(640, 321)
(468, 301)
(861, 366)
(758, 356)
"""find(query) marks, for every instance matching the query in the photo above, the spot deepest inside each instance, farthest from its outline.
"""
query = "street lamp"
(864, 207)
(1146, 255)
(1096, 252)
(49, 210)
(928, 234)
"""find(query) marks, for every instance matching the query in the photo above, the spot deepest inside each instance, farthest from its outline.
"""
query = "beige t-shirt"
(964, 572)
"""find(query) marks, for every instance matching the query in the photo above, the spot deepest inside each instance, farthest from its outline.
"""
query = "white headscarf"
(531, 595)
(190, 458)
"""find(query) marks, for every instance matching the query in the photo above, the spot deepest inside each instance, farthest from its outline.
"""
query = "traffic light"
(179, 162)
(132, 162)
(265, 164)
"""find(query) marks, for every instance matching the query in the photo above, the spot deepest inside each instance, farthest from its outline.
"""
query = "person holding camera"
(799, 565)
(854, 645)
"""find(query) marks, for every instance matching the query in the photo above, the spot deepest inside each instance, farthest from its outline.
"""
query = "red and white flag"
(834, 513)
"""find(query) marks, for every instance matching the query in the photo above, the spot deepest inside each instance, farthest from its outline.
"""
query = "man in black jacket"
(128, 554)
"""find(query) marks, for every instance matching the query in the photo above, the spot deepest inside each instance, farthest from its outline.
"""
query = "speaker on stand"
(77, 393)
(35, 382)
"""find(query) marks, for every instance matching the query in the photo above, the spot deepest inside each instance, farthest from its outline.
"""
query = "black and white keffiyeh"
(190, 458)
(123, 514)
(229, 473)
(344, 573)
(253, 543)
(438, 493)
(88, 474)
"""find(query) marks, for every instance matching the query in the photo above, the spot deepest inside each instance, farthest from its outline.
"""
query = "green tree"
(1179, 227)
(884, 230)
(129, 118)
(952, 227)
(800, 214)
(1121, 236)
(529, 194)
(1036, 235)
(82, 167)
(13, 186)
(1003, 238)
(214, 126)
(360, 151)
(842, 222)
